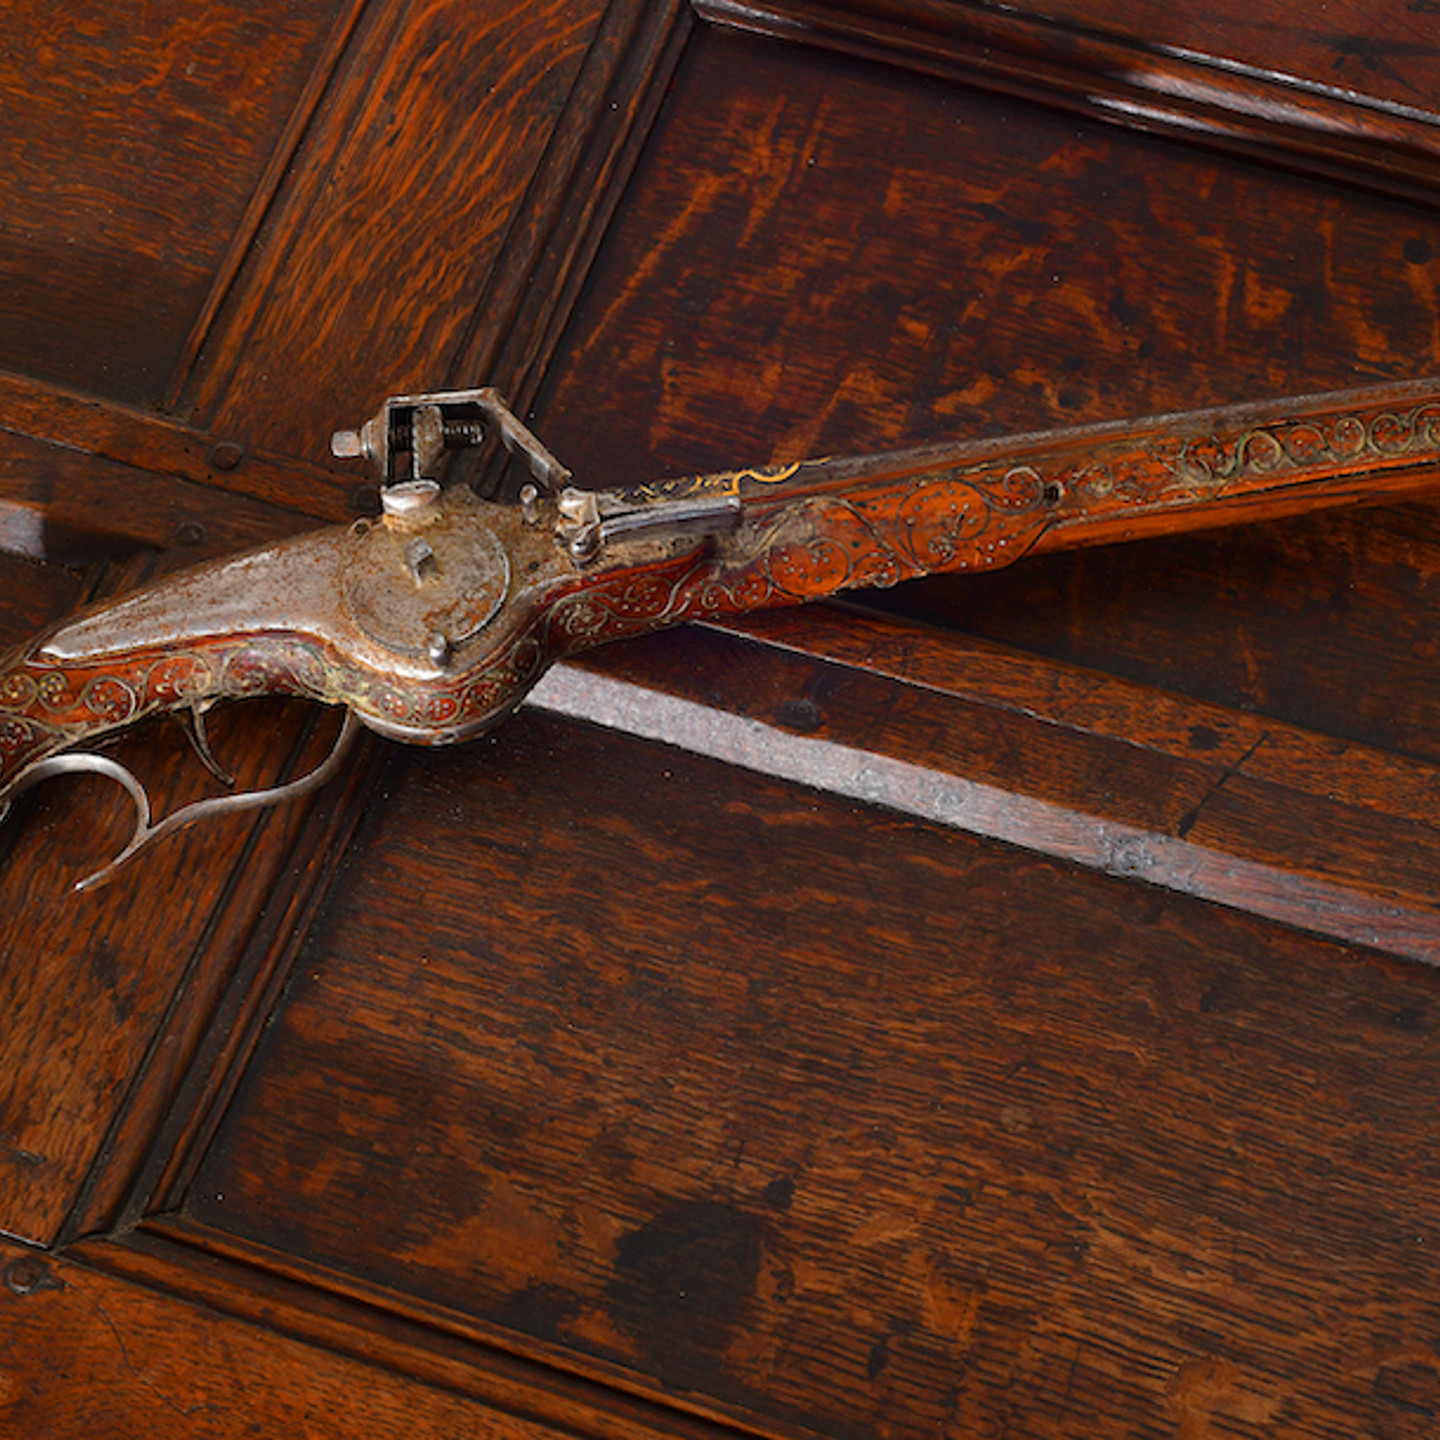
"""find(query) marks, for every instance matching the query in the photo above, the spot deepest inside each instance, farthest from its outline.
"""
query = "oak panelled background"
(581, 1082)
(134, 140)
(904, 260)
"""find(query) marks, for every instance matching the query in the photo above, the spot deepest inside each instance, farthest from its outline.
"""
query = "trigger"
(192, 722)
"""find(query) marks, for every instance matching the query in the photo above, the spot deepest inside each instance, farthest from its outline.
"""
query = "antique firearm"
(430, 624)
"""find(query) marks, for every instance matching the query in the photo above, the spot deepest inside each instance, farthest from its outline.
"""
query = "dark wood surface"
(379, 244)
(122, 1360)
(1000, 1008)
(777, 1103)
(1385, 52)
(1300, 107)
(876, 260)
(133, 147)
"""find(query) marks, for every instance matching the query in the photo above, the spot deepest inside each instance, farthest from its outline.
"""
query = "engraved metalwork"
(431, 624)
(724, 482)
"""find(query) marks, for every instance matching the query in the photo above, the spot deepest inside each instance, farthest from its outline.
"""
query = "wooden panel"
(1130, 780)
(382, 241)
(573, 197)
(1387, 49)
(134, 140)
(826, 1118)
(34, 593)
(121, 1361)
(1326, 622)
(471, 1359)
(109, 994)
(63, 504)
(809, 1116)
(1340, 133)
(88, 980)
(84, 426)
(606, 1065)
(819, 257)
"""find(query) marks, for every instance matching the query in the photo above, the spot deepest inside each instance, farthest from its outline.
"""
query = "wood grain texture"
(1343, 133)
(34, 412)
(122, 1360)
(854, 1125)
(816, 527)
(1085, 745)
(133, 141)
(34, 595)
(86, 1000)
(384, 234)
(1328, 621)
(467, 1358)
(767, 321)
(820, 257)
(572, 198)
(70, 507)
(1387, 50)
(946, 796)
(88, 980)
(279, 621)
(621, 1091)
(1029, 690)
(201, 1048)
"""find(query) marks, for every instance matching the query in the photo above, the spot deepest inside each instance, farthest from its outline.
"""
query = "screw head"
(25, 1275)
(227, 455)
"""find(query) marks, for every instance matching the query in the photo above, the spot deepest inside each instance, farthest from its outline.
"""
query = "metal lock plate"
(421, 592)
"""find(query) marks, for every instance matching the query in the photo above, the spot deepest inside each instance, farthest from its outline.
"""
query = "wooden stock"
(806, 530)
(836, 525)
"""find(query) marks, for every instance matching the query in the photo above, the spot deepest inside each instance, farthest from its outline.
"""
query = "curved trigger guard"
(145, 832)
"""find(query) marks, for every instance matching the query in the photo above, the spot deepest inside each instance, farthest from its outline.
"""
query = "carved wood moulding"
(1245, 109)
